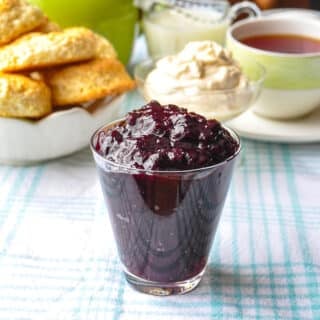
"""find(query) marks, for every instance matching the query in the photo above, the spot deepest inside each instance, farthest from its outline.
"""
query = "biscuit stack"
(43, 67)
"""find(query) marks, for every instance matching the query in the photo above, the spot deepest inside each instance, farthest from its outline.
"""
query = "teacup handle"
(247, 7)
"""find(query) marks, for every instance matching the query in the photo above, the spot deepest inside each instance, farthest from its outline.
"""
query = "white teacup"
(292, 84)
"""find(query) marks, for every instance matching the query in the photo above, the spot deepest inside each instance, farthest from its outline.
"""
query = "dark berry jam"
(166, 138)
(164, 222)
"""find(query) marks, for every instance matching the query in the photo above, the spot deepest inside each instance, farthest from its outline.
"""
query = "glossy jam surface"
(164, 222)
(167, 137)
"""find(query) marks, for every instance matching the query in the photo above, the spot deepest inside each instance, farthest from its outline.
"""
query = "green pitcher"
(113, 19)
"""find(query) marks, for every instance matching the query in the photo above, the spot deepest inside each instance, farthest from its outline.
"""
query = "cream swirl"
(189, 77)
(201, 65)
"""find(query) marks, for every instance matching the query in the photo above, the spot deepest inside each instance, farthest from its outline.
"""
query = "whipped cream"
(201, 78)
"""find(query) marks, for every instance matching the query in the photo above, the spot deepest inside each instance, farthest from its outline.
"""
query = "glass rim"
(164, 172)
(217, 4)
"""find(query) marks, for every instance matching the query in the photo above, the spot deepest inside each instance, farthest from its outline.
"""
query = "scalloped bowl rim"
(24, 142)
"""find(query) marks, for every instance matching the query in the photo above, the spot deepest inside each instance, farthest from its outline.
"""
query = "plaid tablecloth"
(58, 258)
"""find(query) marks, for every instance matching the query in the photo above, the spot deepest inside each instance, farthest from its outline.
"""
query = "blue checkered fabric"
(58, 258)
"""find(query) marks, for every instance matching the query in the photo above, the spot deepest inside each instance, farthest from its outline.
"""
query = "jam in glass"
(165, 174)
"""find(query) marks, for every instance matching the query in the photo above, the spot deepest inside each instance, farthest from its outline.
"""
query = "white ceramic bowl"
(61, 133)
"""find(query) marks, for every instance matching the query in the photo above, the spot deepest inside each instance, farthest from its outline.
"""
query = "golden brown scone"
(16, 18)
(104, 48)
(38, 50)
(83, 82)
(22, 97)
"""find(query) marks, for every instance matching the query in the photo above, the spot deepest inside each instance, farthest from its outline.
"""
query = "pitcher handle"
(247, 7)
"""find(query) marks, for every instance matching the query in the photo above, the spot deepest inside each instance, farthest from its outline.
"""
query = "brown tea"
(283, 43)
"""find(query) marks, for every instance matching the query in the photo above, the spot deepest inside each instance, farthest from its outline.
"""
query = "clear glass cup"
(169, 25)
(164, 222)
